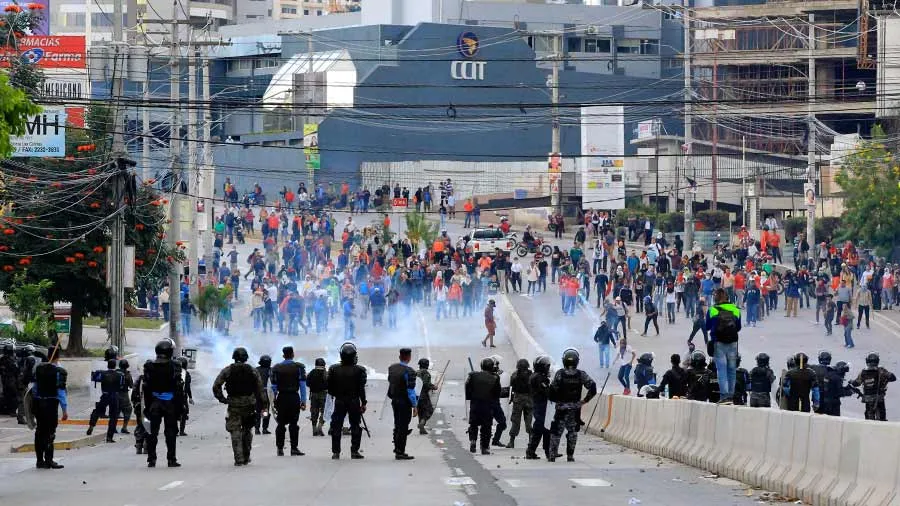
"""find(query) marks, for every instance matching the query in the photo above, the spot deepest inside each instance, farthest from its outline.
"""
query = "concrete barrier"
(819, 459)
(519, 337)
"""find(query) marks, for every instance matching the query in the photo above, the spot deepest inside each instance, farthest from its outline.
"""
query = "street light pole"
(811, 139)
(556, 196)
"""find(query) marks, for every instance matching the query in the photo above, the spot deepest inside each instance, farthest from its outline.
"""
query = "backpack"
(726, 326)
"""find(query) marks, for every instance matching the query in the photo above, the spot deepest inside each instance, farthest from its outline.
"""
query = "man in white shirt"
(451, 206)
(516, 275)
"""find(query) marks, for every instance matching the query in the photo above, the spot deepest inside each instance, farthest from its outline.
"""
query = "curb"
(73, 444)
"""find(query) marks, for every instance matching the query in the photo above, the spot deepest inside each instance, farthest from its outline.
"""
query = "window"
(543, 44)
(573, 44)
(596, 45)
(487, 233)
(628, 46)
(245, 64)
(649, 46)
(75, 19)
(306, 12)
(288, 10)
(318, 13)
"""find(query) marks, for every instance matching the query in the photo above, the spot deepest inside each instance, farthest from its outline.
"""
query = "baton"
(471, 369)
(365, 426)
(437, 396)
(599, 396)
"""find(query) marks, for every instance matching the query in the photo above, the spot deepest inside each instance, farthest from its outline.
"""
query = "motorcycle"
(537, 246)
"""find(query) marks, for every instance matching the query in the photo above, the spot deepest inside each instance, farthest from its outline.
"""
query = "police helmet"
(320, 362)
(802, 360)
(698, 359)
(111, 364)
(165, 348)
(542, 364)
(424, 363)
(29, 350)
(570, 358)
(824, 358)
(691, 347)
(487, 364)
(8, 349)
(762, 360)
(842, 368)
(124, 365)
(240, 354)
(183, 361)
(522, 364)
(646, 359)
(872, 359)
(265, 361)
(791, 362)
(348, 353)
(111, 353)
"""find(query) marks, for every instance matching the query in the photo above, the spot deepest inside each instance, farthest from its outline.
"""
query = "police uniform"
(245, 396)
(540, 393)
(163, 392)
(289, 387)
(346, 383)
(873, 381)
(125, 406)
(798, 386)
(402, 392)
(425, 407)
(482, 391)
(49, 393)
(833, 389)
(264, 372)
(317, 381)
(523, 405)
(566, 390)
(140, 430)
(111, 383)
(26, 377)
(9, 377)
(761, 379)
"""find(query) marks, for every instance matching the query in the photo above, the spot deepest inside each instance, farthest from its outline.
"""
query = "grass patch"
(131, 322)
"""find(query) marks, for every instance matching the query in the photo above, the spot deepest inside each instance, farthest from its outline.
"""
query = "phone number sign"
(45, 135)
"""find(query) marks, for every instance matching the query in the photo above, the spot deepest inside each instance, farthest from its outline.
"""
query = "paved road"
(444, 472)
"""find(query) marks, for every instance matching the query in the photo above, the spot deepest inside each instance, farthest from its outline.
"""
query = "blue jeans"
(604, 356)
(726, 367)
(752, 312)
(848, 335)
(186, 323)
(625, 375)
(440, 307)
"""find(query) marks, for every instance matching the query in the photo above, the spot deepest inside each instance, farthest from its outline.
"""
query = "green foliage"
(826, 227)
(15, 109)
(15, 23)
(870, 179)
(420, 229)
(714, 220)
(670, 222)
(635, 209)
(210, 303)
(35, 330)
(29, 300)
(794, 226)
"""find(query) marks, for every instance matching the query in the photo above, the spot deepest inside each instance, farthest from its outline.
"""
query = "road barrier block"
(876, 476)
(822, 458)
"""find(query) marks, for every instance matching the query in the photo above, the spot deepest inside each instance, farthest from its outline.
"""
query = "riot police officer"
(9, 377)
(289, 387)
(800, 385)
(833, 388)
(245, 401)
(540, 393)
(49, 394)
(425, 406)
(111, 383)
(346, 383)
(264, 371)
(482, 391)
(404, 401)
(187, 397)
(496, 408)
(761, 379)
(27, 365)
(140, 429)
(566, 393)
(125, 406)
(699, 378)
(821, 369)
(520, 398)
(874, 380)
(163, 393)
(317, 381)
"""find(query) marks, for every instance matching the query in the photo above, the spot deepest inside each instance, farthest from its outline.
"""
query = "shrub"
(714, 220)
(670, 222)
(793, 226)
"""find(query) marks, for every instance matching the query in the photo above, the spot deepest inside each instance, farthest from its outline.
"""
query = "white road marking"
(439, 441)
(458, 481)
(470, 489)
(451, 383)
(170, 486)
(516, 483)
(457, 471)
(440, 422)
(590, 482)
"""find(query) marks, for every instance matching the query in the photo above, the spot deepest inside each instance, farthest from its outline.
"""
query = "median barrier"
(704, 437)
(681, 431)
(520, 338)
(660, 426)
(724, 439)
(750, 431)
(800, 441)
(823, 458)
(876, 476)
(848, 465)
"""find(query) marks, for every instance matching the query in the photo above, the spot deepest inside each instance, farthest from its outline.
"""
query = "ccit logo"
(467, 44)
(32, 56)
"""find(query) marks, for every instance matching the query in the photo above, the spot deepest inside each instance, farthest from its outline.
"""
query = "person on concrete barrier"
(289, 389)
(163, 392)
(821, 369)
(566, 393)
(402, 392)
(245, 403)
(698, 378)
(346, 383)
(317, 381)
(48, 396)
(833, 388)
(264, 371)
(140, 429)
(741, 383)
(496, 409)
(873, 381)
(539, 384)
(125, 406)
(9, 377)
(482, 390)
(800, 385)
(643, 372)
(111, 383)
(761, 379)
(27, 365)
(724, 323)
(425, 406)
(673, 384)
(188, 397)
(520, 398)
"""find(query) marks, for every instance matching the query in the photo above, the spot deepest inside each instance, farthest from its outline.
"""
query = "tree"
(28, 300)
(420, 229)
(869, 178)
(17, 22)
(210, 303)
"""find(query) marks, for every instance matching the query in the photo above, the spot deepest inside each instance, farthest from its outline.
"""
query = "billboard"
(603, 157)
(45, 136)
(54, 51)
(311, 146)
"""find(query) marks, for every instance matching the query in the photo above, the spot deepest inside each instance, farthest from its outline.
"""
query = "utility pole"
(743, 180)
(208, 185)
(688, 129)
(715, 133)
(175, 153)
(115, 267)
(193, 172)
(556, 196)
(307, 79)
(811, 140)
(656, 152)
